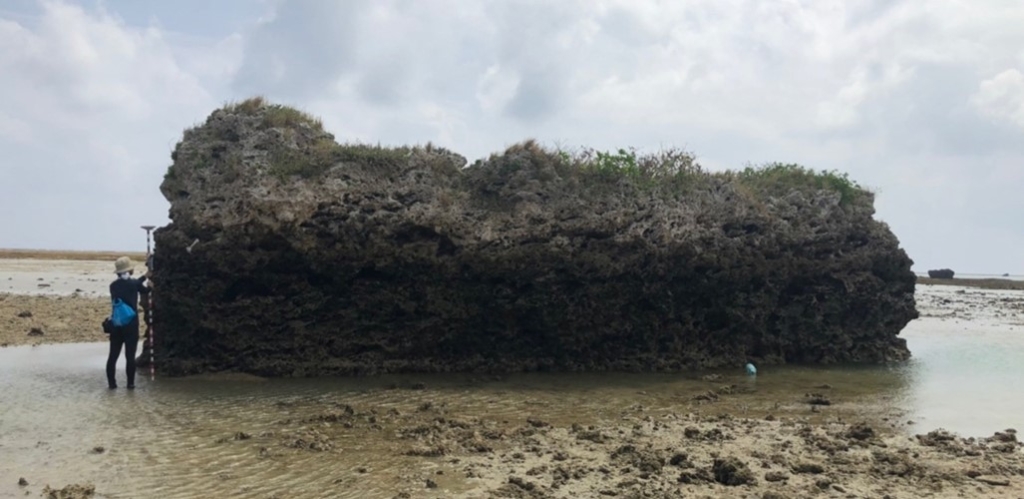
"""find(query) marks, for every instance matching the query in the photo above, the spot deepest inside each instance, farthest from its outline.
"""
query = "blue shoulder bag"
(122, 314)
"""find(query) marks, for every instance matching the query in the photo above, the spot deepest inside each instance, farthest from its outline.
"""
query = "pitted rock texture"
(291, 255)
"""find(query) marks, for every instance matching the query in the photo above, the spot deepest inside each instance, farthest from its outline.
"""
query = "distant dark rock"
(940, 274)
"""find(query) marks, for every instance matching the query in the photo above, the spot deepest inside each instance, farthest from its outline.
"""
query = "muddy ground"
(648, 454)
(31, 320)
(702, 449)
(657, 454)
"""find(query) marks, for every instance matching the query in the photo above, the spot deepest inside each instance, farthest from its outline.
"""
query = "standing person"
(127, 290)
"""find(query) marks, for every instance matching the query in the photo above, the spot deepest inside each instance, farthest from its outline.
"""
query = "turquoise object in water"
(751, 370)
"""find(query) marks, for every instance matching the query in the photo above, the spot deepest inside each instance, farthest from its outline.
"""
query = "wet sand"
(655, 452)
(650, 454)
(491, 439)
(35, 320)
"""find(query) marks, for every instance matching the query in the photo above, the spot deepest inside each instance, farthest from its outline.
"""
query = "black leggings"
(127, 336)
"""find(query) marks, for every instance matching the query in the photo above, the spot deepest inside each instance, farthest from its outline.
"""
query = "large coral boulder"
(289, 254)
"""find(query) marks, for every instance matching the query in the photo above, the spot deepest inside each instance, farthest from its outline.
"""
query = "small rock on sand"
(523, 484)
(73, 491)
(860, 431)
(22, 482)
(731, 471)
(993, 480)
(537, 423)
(24, 314)
(812, 468)
(35, 332)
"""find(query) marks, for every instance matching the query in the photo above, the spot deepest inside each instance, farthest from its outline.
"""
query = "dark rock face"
(362, 260)
(940, 274)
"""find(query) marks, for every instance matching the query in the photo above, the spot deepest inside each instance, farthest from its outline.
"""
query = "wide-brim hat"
(123, 264)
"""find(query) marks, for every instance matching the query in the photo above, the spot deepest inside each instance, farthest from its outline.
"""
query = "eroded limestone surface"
(289, 254)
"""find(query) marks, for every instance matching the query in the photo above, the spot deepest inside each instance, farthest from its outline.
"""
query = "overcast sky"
(923, 101)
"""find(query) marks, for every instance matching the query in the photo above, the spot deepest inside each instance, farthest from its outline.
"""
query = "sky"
(921, 101)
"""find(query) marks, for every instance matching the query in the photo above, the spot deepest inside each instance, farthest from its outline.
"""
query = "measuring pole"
(149, 323)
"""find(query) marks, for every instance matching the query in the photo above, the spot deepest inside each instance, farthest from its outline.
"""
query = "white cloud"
(495, 88)
(1002, 97)
(91, 108)
(925, 103)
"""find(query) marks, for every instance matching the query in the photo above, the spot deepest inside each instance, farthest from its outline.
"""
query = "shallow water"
(167, 438)
(966, 378)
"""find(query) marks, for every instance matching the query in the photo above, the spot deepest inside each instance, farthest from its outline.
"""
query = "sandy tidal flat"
(54, 301)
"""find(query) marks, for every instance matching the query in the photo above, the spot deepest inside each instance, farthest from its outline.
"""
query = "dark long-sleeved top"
(128, 291)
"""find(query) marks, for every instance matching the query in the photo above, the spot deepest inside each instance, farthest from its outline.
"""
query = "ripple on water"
(174, 438)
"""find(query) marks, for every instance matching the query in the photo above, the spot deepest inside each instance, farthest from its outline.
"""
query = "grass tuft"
(274, 115)
(674, 170)
(778, 178)
(249, 106)
(278, 116)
